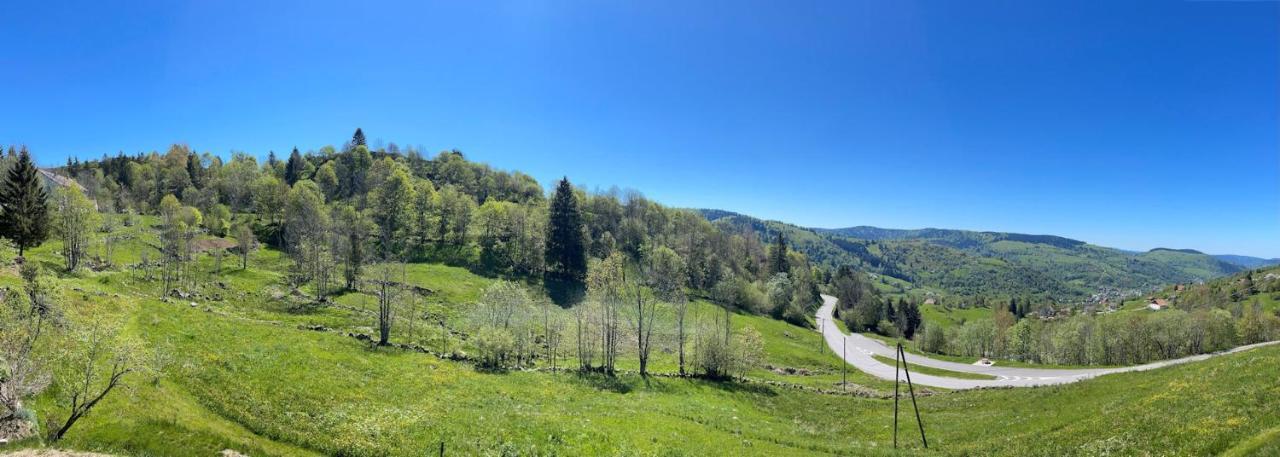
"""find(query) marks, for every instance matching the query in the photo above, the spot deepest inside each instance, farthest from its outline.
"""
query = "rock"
(231, 453)
(194, 304)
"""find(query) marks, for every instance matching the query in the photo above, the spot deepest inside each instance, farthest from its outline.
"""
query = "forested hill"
(1247, 261)
(972, 263)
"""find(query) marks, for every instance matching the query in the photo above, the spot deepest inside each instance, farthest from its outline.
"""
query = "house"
(54, 181)
(1179, 288)
(930, 301)
(1157, 304)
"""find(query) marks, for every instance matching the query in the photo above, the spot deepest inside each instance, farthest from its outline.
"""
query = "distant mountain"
(973, 263)
(1245, 261)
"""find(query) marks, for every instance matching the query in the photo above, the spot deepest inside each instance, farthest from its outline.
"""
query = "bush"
(494, 346)
(718, 360)
(886, 328)
(931, 338)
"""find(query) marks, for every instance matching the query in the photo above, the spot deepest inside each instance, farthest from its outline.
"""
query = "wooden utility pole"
(901, 355)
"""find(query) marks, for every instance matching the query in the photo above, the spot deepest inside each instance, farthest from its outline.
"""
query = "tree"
(74, 220)
(218, 220)
(499, 304)
(606, 286)
(306, 229)
(388, 292)
(294, 168)
(246, 242)
(779, 291)
(389, 206)
(327, 179)
(177, 229)
(269, 194)
(424, 213)
(24, 320)
(778, 256)
(907, 318)
(24, 211)
(82, 384)
(351, 229)
(566, 249)
(666, 277)
(358, 138)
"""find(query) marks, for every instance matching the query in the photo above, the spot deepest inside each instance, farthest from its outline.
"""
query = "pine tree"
(24, 210)
(294, 168)
(194, 170)
(566, 249)
(1013, 307)
(358, 138)
(778, 256)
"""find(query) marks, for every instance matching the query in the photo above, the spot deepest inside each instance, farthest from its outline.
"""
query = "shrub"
(932, 338)
(886, 328)
(494, 346)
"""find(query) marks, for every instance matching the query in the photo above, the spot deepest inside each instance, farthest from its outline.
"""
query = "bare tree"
(80, 377)
(388, 278)
(606, 287)
(246, 242)
(665, 272)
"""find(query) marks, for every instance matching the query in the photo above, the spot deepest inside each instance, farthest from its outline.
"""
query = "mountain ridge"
(968, 263)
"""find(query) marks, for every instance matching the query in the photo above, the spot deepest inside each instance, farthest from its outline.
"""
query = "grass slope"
(245, 377)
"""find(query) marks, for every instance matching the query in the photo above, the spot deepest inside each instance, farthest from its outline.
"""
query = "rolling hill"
(972, 263)
(1247, 261)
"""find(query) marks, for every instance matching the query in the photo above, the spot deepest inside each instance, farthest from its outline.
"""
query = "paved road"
(859, 351)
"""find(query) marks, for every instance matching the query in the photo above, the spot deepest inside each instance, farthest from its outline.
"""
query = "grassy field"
(243, 376)
(934, 371)
(951, 317)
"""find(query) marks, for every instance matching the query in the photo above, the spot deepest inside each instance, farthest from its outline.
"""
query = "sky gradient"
(1125, 124)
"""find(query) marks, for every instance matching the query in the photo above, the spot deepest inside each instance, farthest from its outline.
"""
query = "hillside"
(969, 263)
(1247, 261)
(251, 375)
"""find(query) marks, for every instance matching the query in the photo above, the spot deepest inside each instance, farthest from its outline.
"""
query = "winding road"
(860, 349)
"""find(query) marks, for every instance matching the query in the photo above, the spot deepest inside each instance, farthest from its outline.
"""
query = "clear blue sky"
(1126, 124)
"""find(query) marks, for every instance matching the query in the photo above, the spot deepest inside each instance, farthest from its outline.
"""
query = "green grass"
(951, 317)
(935, 371)
(246, 378)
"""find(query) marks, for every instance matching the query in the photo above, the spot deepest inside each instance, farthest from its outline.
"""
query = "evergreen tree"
(778, 256)
(24, 210)
(566, 248)
(358, 138)
(294, 168)
(1013, 307)
(194, 170)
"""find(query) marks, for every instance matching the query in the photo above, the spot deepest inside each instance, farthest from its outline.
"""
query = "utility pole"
(844, 362)
(901, 355)
(822, 337)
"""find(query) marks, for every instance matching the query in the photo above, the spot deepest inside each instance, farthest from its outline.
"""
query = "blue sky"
(1126, 124)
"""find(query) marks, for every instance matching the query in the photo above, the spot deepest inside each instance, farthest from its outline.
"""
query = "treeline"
(337, 209)
(1202, 318)
(863, 309)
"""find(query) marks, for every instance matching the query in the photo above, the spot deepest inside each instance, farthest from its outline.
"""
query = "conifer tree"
(294, 168)
(358, 138)
(566, 249)
(778, 256)
(24, 210)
